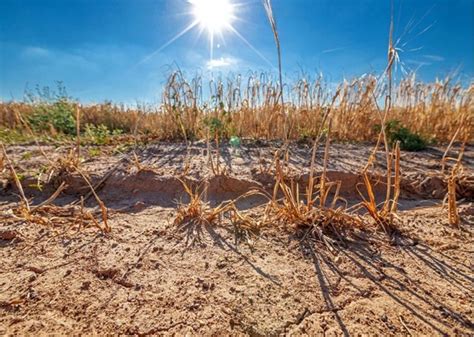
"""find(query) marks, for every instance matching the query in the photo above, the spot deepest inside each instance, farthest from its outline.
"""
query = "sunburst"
(216, 17)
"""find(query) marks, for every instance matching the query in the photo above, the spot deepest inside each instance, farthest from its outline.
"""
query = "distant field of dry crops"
(249, 107)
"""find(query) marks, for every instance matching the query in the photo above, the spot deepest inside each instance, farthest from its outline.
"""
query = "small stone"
(221, 264)
(8, 235)
(85, 285)
(35, 269)
(139, 206)
(4, 184)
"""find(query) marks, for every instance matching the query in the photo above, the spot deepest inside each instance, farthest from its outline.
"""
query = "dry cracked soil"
(143, 278)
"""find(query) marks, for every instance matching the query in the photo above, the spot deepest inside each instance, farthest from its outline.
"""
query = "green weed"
(409, 141)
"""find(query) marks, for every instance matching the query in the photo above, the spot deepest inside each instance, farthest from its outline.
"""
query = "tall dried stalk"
(269, 10)
(16, 179)
(315, 148)
(453, 215)
(384, 217)
(78, 134)
(396, 190)
(448, 148)
(101, 204)
(287, 124)
(323, 189)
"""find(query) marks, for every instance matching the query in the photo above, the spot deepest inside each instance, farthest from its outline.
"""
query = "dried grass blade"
(53, 197)
(16, 179)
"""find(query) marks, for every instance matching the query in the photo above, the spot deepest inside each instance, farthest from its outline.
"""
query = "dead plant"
(307, 215)
(24, 200)
(452, 180)
(386, 216)
(48, 214)
(198, 214)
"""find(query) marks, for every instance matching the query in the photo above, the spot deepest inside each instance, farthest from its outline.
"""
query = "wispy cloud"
(435, 58)
(223, 62)
(417, 63)
(425, 61)
(58, 59)
(333, 50)
(32, 51)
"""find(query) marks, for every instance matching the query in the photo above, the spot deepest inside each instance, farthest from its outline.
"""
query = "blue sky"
(97, 47)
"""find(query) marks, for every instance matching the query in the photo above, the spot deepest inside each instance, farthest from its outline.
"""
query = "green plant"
(27, 155)
(13, 136)
(122, 148)
(58, 115)
(98, 134)
(409, 141)
(215, 125)
(52, 111)
(94, 152)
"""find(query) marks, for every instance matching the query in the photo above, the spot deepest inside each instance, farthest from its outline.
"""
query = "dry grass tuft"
(48, 214)
(453, 178)
(307, 213)
(385, 217)
(198, 214)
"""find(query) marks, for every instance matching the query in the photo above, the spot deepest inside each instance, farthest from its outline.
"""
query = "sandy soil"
(143, 279)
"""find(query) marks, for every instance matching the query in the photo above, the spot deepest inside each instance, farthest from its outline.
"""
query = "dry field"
(242, 206)
(249, 106)
(242, 214)
(203, 240)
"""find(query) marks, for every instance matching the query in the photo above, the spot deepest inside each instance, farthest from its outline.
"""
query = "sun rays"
(215, 18)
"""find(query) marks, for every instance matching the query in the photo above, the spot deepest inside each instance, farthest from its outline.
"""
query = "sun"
(216, 17)
(213, 15)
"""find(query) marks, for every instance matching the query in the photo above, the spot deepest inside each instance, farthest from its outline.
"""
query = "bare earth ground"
(142, 278)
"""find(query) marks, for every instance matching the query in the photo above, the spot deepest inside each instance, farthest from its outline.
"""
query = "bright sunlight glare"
(213, 15)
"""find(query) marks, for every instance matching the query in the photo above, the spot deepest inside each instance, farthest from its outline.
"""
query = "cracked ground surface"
(142, 279)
